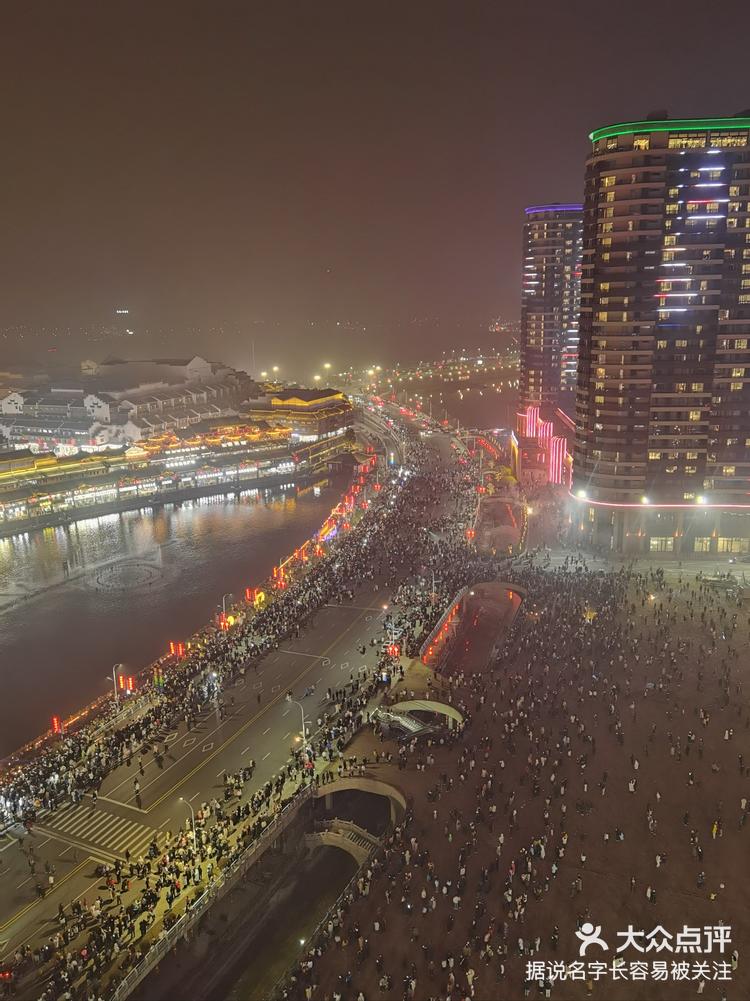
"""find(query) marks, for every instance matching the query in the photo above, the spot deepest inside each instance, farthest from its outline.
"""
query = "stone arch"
(427, 705)
(364, 784)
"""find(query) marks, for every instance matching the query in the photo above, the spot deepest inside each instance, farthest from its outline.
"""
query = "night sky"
(264, 166)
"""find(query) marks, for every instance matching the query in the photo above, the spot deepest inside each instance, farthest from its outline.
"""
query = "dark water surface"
(136, 581)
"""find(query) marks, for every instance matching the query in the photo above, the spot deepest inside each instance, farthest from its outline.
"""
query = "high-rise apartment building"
(662, 452)
(552, 243)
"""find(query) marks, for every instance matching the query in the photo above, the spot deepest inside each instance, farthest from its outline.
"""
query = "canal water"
(77, 599)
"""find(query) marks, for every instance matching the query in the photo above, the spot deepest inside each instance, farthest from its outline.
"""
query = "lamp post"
(224, 603)
(304, 721)
(192, 819)
(114, 684)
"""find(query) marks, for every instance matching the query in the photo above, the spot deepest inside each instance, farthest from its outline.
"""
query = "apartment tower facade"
(662, 450)
(550, 302)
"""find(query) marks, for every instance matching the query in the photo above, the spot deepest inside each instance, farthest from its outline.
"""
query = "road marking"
(257, 686)
(283, 714)
(33, 903)
(190, 741)
(209, 746)
(128, 806)
(194, 797)
(244, 726)
(300, 653)
(246, 750)
(344, 665)
(277, 688)
(219, 774)
(326, 662)
(268, 729)
(27, 880)
(163, 823)
(266, 755)
(287, 735)
(63, 854)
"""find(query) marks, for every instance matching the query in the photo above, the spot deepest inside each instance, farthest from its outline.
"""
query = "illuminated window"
(738, 373)
(661, 544)
(654, 456)
(696, 387)
(680, 387)
(740, 343)
(728, 470)
(641, 142)
(691, 455)
(680, 343)
(687, 140)
(672, 208)
(735, 387)
(661, 344)
(727, 545)
(702, 545)
(690, 470)
(728, 139)
(694, 415)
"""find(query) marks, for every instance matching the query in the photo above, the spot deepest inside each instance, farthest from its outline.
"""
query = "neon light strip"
(658, 507)
(677, 125)
(553, 208)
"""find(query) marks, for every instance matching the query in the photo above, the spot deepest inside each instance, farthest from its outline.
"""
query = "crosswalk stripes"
(99, 827)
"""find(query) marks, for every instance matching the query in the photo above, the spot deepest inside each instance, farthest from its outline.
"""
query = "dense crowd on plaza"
(601, 775)
(403, 529)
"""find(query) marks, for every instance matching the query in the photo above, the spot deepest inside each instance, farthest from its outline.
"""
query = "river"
(134, 581)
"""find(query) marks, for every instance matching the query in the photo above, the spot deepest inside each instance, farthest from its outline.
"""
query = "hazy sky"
(222, 162)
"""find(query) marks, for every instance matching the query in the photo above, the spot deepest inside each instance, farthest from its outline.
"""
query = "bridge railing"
(220, 886)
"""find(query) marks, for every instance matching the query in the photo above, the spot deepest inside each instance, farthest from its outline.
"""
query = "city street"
(261, 725)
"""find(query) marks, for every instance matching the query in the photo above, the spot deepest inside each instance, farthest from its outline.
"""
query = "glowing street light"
(264, 375)
(316, 378)
(326, 365)
(275, 368)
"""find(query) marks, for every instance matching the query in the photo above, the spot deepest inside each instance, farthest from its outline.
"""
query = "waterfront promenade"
(148, 799)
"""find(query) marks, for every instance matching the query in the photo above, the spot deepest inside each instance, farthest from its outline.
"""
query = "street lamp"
(316, 378)
(326, 365)
(304, 721)
(192, 819)
(275, 369)
(264, 375)
(223, 602)
(114, 684)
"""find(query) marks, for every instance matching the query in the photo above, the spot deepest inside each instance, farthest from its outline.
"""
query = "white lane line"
(268, 729)
(246, 750)
(266, 755)
(219, 774)
(63, 854)
(286, 713)
(299, 653)
(287, 735)
(165, 822)
(27, 880)
(194, 797)
(44, 843)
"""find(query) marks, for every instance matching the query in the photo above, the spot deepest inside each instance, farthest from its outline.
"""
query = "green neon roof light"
(671, 125)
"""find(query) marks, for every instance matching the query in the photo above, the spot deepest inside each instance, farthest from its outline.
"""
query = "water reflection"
(76, 599)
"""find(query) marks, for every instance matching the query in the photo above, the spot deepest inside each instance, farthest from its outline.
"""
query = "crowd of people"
(600, 780)
(406, 526)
